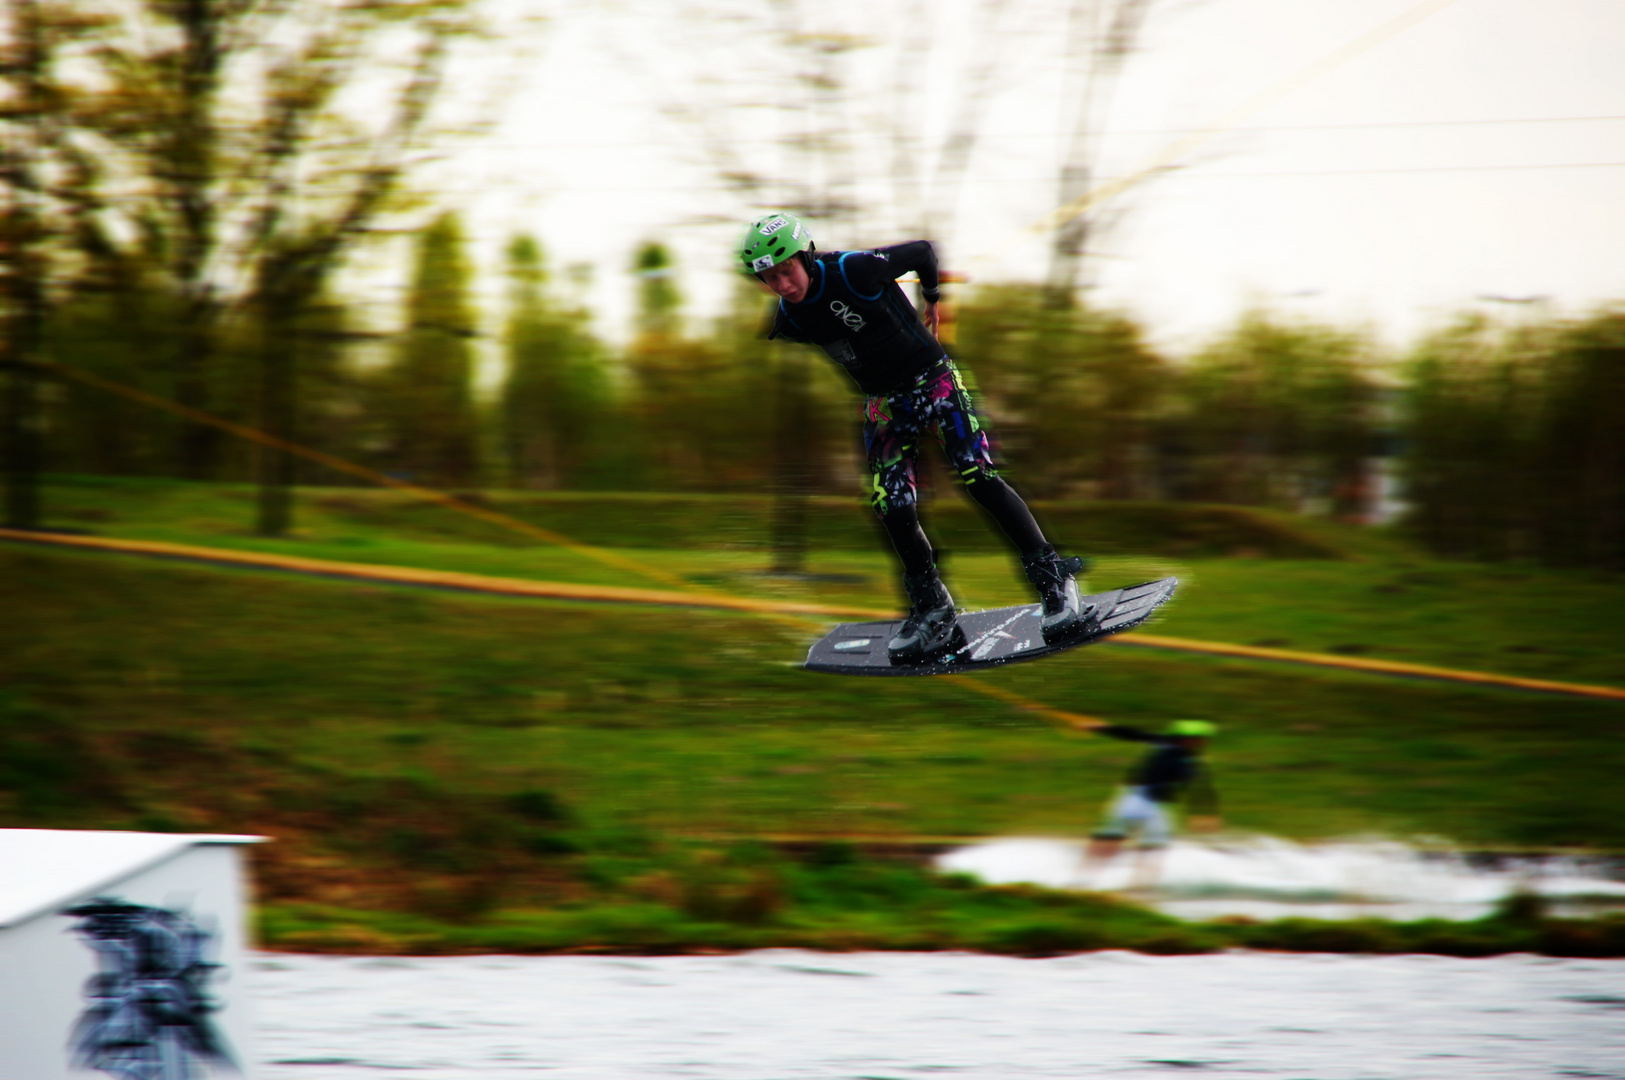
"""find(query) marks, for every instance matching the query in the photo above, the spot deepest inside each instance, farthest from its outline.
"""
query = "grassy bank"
(677, 899)
(1261, 577)
(449, 772)
(703, 723)
(363, 517)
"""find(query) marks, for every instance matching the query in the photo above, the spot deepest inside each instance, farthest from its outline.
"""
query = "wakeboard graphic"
(983, 639)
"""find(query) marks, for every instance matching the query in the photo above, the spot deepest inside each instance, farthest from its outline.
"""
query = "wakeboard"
(983, 639)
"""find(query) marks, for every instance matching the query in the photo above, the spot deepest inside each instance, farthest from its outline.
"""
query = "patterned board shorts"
(893, 424)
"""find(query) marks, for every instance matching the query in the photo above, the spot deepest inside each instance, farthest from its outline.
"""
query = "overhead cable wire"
(785, 613)
(343, 465)
(1233, 118)
(1013, 136)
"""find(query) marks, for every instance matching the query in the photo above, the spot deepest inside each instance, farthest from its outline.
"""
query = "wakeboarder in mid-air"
(849, 304)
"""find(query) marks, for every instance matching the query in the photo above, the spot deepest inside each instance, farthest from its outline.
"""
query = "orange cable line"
(791, 611)
(332, 461)
(1374, 666)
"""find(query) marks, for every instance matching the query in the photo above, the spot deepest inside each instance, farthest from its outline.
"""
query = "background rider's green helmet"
(1197, 729)
(772, 239)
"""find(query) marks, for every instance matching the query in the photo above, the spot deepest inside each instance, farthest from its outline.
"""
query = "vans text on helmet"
(772, 239)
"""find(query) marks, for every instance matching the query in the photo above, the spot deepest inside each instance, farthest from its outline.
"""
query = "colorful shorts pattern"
(893, 424)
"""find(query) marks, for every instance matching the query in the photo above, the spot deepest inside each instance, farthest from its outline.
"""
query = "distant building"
(122, 955)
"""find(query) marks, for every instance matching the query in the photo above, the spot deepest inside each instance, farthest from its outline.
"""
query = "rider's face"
(788, 279)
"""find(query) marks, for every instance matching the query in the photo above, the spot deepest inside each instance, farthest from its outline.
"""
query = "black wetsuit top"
(1165, 771)
(856, 312)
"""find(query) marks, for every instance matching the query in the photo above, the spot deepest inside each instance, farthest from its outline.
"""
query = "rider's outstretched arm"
(917, 256)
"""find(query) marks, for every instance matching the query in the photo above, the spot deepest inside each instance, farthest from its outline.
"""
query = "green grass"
(691, 899)
(476, 762)
(362, 517)
(1370, 595)
(703, 723)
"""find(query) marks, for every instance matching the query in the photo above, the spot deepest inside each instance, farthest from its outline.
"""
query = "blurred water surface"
(866, 1016)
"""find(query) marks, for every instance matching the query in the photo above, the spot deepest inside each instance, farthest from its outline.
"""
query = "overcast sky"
(1478, 153)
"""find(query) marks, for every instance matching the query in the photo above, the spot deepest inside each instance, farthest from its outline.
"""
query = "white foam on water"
(1267, 877)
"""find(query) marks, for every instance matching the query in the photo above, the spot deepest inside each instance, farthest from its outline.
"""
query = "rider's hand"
(928, 315)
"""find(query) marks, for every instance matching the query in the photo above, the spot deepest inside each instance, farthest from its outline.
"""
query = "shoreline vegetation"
(685, 901)
(444, 773)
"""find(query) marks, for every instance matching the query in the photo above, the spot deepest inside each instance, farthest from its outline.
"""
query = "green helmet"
(772, 239)
(1198, 729)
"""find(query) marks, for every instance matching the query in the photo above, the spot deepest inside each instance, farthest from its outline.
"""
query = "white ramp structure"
(122, 954)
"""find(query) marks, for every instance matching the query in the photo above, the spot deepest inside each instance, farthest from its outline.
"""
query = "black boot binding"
(930, 623)
(1055, 578)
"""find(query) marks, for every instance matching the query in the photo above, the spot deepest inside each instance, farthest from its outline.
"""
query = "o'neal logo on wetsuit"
(846, 314)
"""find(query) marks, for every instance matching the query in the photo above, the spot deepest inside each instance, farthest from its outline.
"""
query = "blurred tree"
(792, 399)
(1465, 430)
(735, 62)
(1515, 441)
(246, 146)
(1100, 35)
(26, 63)
(696, 412)
(793, 450)
(429, 387)
(807, 65)
(786, 102)
(1581, 447)
(659, 313)
(1277, 415)
(927, 175)
(330, 406)
(38, 186)
(555, 396)
(1074, 392)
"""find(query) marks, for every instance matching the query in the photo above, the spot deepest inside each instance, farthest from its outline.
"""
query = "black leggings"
(992, 494)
